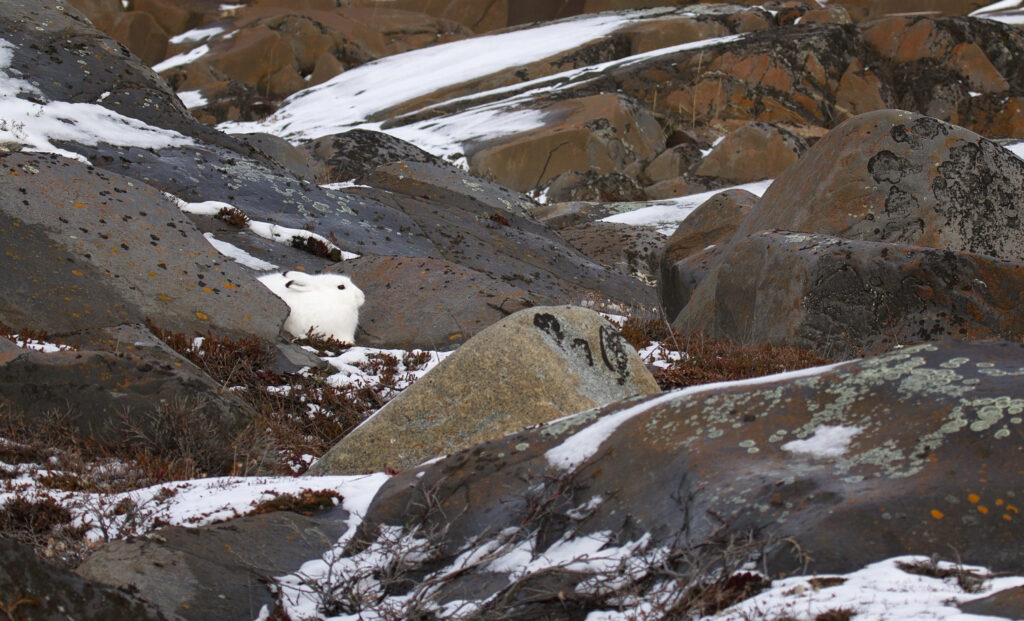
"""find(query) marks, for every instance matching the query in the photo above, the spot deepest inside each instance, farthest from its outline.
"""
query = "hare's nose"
(342, 287)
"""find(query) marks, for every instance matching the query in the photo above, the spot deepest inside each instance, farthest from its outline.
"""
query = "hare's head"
(337, 288)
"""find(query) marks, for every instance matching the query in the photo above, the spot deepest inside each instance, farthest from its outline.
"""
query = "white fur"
(318, 304)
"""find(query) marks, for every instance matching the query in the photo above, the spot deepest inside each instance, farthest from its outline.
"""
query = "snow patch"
(666, 215)
(827, 441)
(192, 99)
(196, 34)
(234, 252)
(584, 444)
(37, 124)
(182, 59)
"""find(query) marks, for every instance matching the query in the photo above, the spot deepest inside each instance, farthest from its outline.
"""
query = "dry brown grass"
(708, 359)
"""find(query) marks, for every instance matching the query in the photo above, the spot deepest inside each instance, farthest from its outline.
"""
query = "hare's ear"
(297, 281)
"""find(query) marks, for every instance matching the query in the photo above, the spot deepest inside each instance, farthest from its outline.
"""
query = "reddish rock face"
(751, 153)
(603, 133)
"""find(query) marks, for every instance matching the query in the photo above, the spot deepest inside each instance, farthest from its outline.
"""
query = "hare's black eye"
(342, 287)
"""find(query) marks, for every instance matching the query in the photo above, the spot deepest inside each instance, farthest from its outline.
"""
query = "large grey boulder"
(534, 366)
(916, 451)
(87, 249)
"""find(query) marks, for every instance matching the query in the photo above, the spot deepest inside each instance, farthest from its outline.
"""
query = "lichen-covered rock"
(901, 177)
(846, 298)
(625, 248)
(913, 452)
(534, 366)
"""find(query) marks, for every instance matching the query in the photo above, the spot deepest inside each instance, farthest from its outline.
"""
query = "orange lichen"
(973, 498)
(982, 510)
(938, 515)
(202, 316)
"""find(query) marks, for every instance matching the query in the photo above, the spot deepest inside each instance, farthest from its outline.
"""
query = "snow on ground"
(234, 252)
(351, 366)
(1005, 11)
(192, 99)
(37, 124)
(196, 34)
(351, 99)
(190, 503)
(182, 59)
(879, 592)
(266, 230)
(666, 214)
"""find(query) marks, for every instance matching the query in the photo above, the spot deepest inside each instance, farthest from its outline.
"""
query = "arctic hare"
(326, 303)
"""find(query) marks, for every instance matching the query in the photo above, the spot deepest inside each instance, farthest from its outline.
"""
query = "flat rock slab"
(114, 397)
(218, 572)
(122, 250)
(847, 298)
(534, 366)
(53, 594)
(489, 233)
(916, 451)
(417, 302)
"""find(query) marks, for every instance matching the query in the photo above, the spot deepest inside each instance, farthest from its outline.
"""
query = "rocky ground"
(671, 311)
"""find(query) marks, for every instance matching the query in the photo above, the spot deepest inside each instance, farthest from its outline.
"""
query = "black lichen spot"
(581, 345)
(614, 352)
(547, 323)
(888, 167)
(900, 202)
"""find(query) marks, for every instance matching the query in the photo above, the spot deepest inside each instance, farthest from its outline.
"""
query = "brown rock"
(625, 248)
(173, 17)
(971, 62)
(752, 152)
(687, 255)
(574, 186)
(534, 366)
(859, 91)
(140, 33)
(603, 133)
(673, 162)
(682, 185)
(660, 33)
(826, 15)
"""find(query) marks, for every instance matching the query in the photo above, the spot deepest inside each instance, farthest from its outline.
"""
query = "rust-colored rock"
(860, 90)
(603, 133)
(753, 152)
